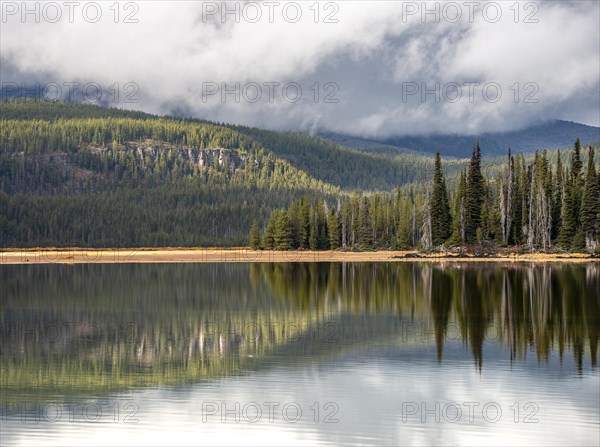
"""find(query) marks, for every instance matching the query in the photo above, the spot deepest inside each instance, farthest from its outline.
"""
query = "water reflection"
(73, 329)
(543, 307)
(155, 343)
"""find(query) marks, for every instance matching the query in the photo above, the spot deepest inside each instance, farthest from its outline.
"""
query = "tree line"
(537, 205)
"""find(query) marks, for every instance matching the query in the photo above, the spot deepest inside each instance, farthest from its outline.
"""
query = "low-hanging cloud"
(383, 69)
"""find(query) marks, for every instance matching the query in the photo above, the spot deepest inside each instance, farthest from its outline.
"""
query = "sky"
(364, 68)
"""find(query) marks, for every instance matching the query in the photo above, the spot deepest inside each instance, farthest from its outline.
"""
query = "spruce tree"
(458, 233)
(526, 178)
(313, 230)
(517, 229)
(576, 163)
(474, 195)
(404, 225)
(333, 227)
(354, 219)
(365, 231)
(293, 215)
(321, 223)
(345, 223)
(282, 237)
(378, 222)
(506, 199)
(568, 225)
(590, 205)
(557, 198)
(269, 237)
(441, 220)
(254, 236)
(303, 222)
(577, 191)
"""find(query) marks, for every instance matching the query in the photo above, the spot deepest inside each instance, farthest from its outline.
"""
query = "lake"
(301, 354)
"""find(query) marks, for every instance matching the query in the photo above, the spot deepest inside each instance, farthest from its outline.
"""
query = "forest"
(533, 205)
(79, 175)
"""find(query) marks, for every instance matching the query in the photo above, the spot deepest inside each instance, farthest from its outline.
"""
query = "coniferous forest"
(535, 205)
(85, 176)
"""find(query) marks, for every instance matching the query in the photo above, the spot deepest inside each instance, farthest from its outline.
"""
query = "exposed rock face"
(214, 157)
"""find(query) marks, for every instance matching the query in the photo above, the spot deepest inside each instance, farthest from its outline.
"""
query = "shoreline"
(240, 255)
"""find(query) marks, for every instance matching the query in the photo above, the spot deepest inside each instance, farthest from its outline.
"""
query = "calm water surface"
(309, 354)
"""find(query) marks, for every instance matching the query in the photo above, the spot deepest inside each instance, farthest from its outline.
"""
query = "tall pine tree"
(269, 237)
(474, 196)
(568, 224)
(365, 231)
(590, 205)
(441, 220)
(557, 199)
(282, 237)
(333, 226)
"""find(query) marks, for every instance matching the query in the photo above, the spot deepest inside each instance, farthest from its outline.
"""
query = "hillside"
(72, 174)
(82, 175)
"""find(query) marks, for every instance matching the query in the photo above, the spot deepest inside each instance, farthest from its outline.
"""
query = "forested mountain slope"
(82, 175)
(107, 178)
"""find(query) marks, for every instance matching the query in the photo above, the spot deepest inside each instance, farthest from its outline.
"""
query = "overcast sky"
(365, 68)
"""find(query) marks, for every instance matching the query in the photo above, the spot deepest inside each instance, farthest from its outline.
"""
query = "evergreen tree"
(345, 224)
(354, 219)
(590, 205)
(293, 215)
(474, 195)
(578, 244)
(525, 181)
(313, 230)
(577, 192)
(506, 202)
(283, 231)
(459, 208)
(557, 199)
(365, 232)
(254, 237)
(404, 241)
(576, 163)
(333, 227)
(269, 237)
(441, 220)
(568, 225)
(378, 223)
(321, 224)
(517, 229)
(303, 222)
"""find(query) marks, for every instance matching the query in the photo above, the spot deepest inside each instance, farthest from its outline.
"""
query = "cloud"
(353, 74)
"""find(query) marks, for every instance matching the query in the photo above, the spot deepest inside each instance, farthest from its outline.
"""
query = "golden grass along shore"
(154, 255)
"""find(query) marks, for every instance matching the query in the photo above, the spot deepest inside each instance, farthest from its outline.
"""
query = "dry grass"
(149, 255)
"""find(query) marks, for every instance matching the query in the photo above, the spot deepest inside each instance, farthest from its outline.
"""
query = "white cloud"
(373, 49)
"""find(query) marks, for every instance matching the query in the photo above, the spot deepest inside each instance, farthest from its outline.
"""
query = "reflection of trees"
(552, 307)
(441, 304)
(158, 323)
(192, 322)
(539, 307)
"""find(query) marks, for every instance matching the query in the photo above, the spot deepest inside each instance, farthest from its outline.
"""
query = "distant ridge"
(550, 135)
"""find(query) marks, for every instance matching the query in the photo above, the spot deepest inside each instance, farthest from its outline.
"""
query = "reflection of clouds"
(382, 359)
(369, 389)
